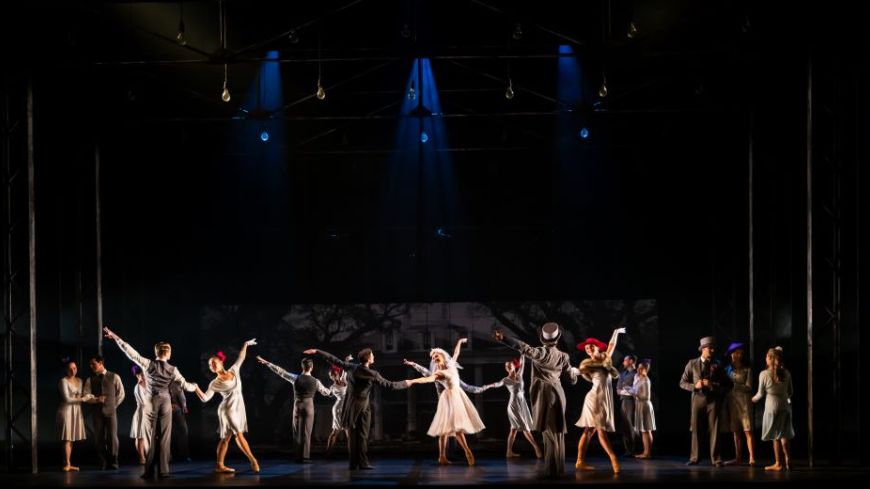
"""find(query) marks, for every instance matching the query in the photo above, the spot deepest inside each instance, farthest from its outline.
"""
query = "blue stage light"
(264, 136)
(424, 137)
(584, 133)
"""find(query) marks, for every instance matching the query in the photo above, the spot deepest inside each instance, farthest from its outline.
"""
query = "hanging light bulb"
(320, 93)
(602, 91)
(264, 136)
(424, 137)
(292, 36)
(412, 94)
(406, 31)
(509, 92)
(225, 95)
(180, 36)
(632, 30)
(518, 32)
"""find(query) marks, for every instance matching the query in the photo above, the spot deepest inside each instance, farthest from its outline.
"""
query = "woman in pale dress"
(140, 427)
(339, 390)
(739, 404)
(517, 408)
(70, 422)
(644, 416)
(232, 420)
(597, 414)
(775, 384)
(455, 415)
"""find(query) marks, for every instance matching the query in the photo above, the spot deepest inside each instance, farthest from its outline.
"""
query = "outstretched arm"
(423, 380)
(243, 353)
(419, 368)
(458, 347)
(204, 396)
(323, 390)
(612, 345)
(128, 350)
(494, 385)
(280, 372)
(522, 367)
(345, 364)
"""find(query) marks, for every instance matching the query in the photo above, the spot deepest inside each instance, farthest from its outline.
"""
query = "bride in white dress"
(232, 420)
(455, 416)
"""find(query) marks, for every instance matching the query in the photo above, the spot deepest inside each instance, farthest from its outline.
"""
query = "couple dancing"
(455, 416)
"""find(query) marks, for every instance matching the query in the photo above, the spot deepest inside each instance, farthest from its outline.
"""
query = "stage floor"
(425, 471)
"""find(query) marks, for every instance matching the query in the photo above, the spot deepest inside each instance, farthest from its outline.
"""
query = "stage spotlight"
(424, 137)
(412, 94)
(632, 30)
(584, 133)
(518, 32)
(264, 136)
(292, 36)
(509, 92)
(406, 31)
(320, 93)
(602, 91)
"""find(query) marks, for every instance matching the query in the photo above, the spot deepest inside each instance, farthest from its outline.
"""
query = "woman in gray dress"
(518, 412)
(70, 422)
(140, 427)
(232, 419)
(775, 384)
(644, 416)
(597, 414)
(739, 404)
(339, 390)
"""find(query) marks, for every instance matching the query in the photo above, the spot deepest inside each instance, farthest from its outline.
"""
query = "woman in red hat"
(597, 414)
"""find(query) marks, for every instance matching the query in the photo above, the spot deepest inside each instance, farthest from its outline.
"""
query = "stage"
(425, 471)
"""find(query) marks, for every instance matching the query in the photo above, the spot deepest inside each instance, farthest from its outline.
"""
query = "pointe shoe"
(255, 467)
(773, 468)
(583, 465)
(512, 455)
(615, 463)
(70, 468)
(444, 461)
(223, 469)
(470, 457)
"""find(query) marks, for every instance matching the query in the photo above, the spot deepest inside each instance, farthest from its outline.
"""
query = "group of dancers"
(352, 380)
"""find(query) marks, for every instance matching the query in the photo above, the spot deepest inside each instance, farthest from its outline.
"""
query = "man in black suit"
(356, 414)
(705, 378)
(180, 440)
(108, 392)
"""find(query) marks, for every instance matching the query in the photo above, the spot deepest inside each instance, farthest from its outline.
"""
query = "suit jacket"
(360, 381)
(111, 387)
(548, 397)
(720, 381)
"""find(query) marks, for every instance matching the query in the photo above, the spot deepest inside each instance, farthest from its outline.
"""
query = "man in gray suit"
(108, 392)
(548, 397)
(708, 383)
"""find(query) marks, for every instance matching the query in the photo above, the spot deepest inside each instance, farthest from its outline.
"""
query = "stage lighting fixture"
(320, 93)
(406, 31)
(264, 136)
(632, 30)
(518, 32)
(412, 94)
(584, 133)
(509, 92)
(602, 90)
(292, 36)
(424, 137)
(225, 95)
(180, 36)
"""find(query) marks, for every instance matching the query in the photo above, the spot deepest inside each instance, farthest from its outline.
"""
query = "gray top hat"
(707, 341)
(550, 333)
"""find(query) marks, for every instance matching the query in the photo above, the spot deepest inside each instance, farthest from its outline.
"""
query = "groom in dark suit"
(356, 414)
(705, 378)
(108, 392)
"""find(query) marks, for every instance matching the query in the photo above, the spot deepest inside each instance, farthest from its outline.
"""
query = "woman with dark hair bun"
(70, 422)
(140, 427)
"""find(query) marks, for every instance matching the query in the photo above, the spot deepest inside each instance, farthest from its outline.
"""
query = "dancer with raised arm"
(517, 408)
(644, 416)
(232, 419)
(70, 422)
(775, 387)
(140, 427)
(304, 387)
(548, 398)
(356, 415)
(455, 415)
(598, 413)
(158, 375)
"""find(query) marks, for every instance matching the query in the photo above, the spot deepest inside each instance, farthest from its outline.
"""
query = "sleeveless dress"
(598, 404)
(231, 411)
(339, 391)
(518, 412)
(644, 416)
(739, 400)
(455, 412)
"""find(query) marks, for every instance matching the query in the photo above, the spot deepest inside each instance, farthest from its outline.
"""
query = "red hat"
(516, 363)
(336, 369)
(592, 341)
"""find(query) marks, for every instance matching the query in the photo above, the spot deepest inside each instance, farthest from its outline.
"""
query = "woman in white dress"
(644, 416)
(518, 412)
(597, 414)
(232, 420)
(140, 427)
(70, 422)
(455, 415)
(339, 390)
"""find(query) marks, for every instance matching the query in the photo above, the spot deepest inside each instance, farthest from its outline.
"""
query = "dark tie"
(705, 370)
